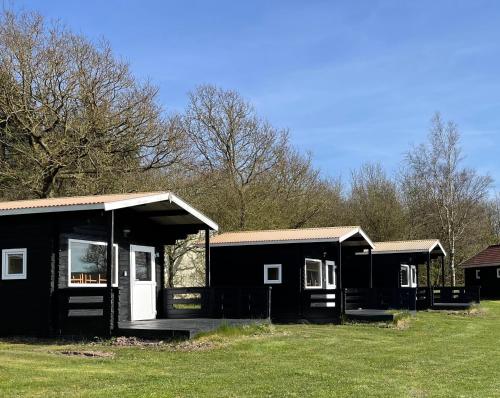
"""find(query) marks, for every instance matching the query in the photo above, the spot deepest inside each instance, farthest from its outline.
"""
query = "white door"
(142, 282)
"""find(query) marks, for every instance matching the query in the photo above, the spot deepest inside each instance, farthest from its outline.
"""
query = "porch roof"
(489, 257)
(409, 246)
(284, 236)
(163, 207)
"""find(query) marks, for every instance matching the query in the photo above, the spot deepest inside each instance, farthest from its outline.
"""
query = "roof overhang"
(351, 234)
(140, 202)
(480, 265)
(430, 250)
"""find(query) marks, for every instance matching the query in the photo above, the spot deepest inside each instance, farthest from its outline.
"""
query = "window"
(14, 264)
(498, 273)
(413, 276)
(87, 263)
(405, 275)
(331, 280)
(313, 274)
(477, 274)
(272, 273)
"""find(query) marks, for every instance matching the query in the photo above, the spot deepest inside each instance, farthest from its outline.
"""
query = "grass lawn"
(436, 355)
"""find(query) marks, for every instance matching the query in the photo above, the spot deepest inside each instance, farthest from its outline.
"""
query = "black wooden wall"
(25, 304)
(489, 282)
(243, 266)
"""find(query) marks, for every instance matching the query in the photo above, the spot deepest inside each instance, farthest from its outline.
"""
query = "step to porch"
(370, 315)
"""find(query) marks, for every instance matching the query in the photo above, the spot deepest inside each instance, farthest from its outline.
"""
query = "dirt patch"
(87, 354)
(181, 345)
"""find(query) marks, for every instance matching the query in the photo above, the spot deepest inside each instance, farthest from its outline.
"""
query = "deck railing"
(81, 311)
(217, 302)
(380, 298)
(457, 294)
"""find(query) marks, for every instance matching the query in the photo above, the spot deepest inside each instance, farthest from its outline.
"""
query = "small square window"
(272, 273)
(478, 276)
(14, 264)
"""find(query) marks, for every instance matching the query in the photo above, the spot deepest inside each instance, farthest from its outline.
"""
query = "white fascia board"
(51, 209)
(162, 197)
(354, 232)
(199, 215)
(438, 243)
(141, 200)
(274, 242)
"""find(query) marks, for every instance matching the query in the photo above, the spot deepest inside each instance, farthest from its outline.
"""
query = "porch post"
(109, 319)
(442, 271)
(207, 257)
(371, 267)
(341, 285)
(429, 270)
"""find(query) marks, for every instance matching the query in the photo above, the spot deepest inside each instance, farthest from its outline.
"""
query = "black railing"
(81, 311)
(217, 302)
(380, 298)
(457, 294)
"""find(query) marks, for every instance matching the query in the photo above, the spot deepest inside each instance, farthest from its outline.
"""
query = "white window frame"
(328, 284)
(413, 273)
(5, 264)
(478, 276)
(71, 284)
(267, 267)
(498, 273)
(408, 274)
(320, 273)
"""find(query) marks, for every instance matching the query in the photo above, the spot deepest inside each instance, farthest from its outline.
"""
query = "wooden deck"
(177, 328)
(452, 306)
(371, 315)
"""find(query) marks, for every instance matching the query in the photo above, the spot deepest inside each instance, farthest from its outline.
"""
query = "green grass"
(435, 355)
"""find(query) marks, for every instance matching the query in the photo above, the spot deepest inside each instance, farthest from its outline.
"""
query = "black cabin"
(483, 270)
(84, 264)
(303, 267)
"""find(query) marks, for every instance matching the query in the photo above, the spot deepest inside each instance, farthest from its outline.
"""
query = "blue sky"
(354, 81)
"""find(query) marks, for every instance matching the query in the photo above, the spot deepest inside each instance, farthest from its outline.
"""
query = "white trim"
(342, 238)
(438, 243)
(315, 260)
(498, 273)
(334, 284)
(117, 204)
(71, 284)
(327, 296)
(327, 304)
(267, 267)
(199, 215)
(51, 209)
(138, 201)
(354, 232)
(478, 275)
(408, 274)
(274, 242)
(5, 255)
(413, 272)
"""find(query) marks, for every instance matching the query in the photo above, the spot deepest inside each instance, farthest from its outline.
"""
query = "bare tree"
(374, 202)
(441, 190)
(70, 112)
(231, 144)
(185, 262)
